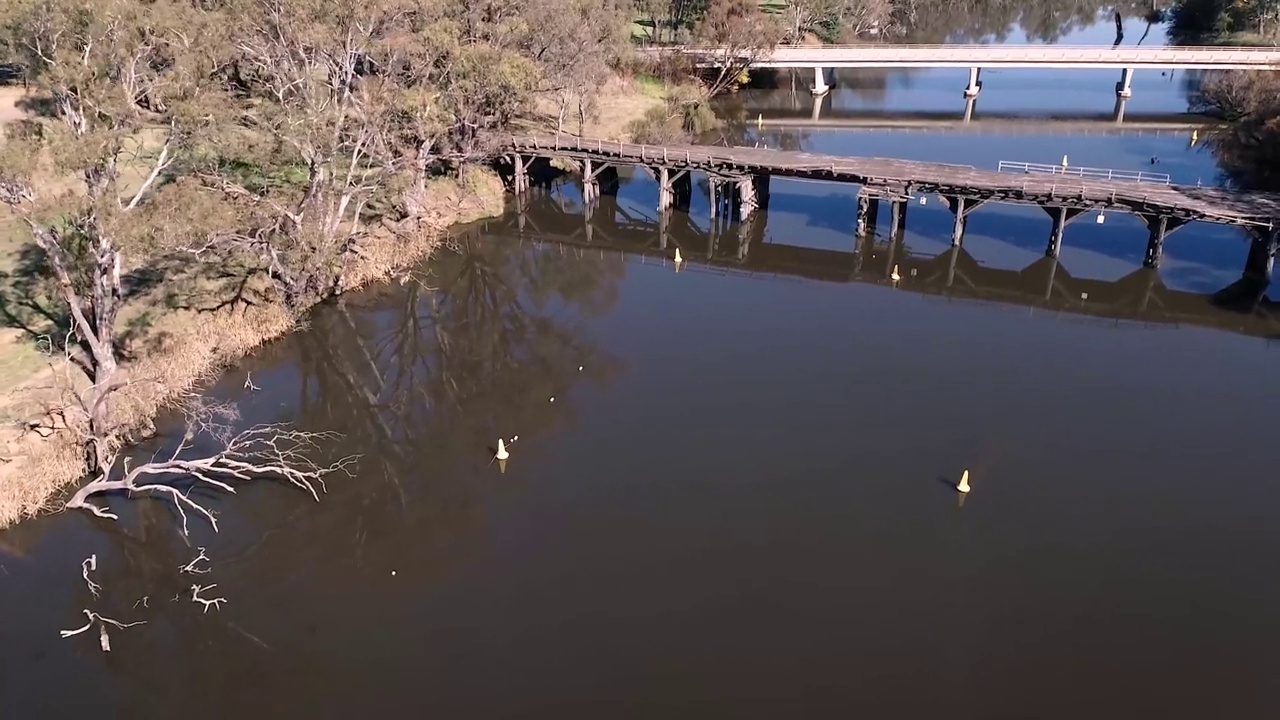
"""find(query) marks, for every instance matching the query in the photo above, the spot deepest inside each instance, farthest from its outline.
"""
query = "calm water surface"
(740, 505)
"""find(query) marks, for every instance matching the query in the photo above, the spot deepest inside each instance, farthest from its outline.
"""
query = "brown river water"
(741, 505)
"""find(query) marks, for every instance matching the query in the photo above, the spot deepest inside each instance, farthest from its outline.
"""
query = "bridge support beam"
(674, 187)
(975, 83)
(1061, 218)
(868, 211)
(960, 208)
(746, 202)
(1124, 88)
(1260, 262)
(1158, 228)
(820, 86)
(596, 174)
(520, 178)
(1259, 266)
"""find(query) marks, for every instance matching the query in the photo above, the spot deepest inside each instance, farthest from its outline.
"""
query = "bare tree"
(833, 19)
(112, 69)
(262, 452)
(740, 34)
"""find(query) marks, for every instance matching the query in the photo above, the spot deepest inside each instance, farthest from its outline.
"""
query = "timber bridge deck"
(891, 178)
(738, 184)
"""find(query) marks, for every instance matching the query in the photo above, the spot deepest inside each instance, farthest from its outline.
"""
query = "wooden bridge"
(741, 249)
(738, 183)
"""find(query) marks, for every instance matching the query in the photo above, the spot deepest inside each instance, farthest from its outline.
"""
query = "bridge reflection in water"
(1044, 286)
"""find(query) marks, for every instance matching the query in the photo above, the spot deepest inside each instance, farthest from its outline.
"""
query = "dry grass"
(184, 348)
(621, 101)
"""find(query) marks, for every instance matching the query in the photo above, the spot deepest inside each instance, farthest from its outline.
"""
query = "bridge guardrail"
(1084, 172)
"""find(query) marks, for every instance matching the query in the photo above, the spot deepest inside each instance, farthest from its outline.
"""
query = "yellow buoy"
(963, 485)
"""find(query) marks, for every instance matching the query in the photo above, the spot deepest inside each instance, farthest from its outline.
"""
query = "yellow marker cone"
(502, 450)
(963, 485)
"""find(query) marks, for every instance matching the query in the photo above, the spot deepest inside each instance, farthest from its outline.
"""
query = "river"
(731, 493)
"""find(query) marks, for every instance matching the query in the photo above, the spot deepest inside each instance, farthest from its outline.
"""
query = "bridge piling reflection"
(1044, 286)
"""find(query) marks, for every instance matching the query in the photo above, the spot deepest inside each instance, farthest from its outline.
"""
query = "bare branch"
(263, 452)
(190, 568)
(207, 602)
(90, 564)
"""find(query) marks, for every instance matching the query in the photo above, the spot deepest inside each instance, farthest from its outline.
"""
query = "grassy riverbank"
(183, 340)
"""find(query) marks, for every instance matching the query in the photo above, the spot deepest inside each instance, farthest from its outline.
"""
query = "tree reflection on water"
(420, 378)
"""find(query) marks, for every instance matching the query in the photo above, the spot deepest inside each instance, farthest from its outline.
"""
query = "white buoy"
(553, 398)
(678, 258)
(1064, 162)
(1195, 135)
(963, 485)
(579, 368)
(894, 276)
(502, 450)
(760, 121)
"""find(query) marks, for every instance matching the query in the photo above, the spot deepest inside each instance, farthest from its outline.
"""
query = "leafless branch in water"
(191, 569)
(207, 602)
(103, 640)
(88, 565)
(263, 452)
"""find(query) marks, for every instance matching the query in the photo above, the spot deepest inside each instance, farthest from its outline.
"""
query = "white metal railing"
(1084, 172)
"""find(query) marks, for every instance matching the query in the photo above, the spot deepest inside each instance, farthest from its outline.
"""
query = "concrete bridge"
(976, 57)
(821, 117)
(1044, 286)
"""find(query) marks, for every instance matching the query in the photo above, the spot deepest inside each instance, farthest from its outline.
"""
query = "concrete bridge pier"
(820, 86)
(960, 208)
(1124, 88)
(1061, 218)
(1117, 114)
(1158, 228)
(975, 83)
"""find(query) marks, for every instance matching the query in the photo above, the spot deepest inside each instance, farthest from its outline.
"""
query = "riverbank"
(181, 348)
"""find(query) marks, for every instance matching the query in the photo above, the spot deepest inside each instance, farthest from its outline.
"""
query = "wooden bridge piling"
(1158, 227)
(1062, 216)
